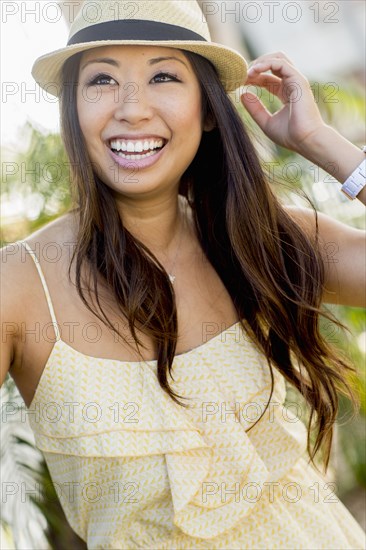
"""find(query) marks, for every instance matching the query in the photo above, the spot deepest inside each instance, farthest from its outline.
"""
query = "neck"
(158, 224)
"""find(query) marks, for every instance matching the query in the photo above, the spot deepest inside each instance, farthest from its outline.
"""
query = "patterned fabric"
(135, 470)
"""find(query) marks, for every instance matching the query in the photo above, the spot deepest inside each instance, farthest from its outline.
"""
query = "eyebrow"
(107, 60)
(115, 63)
(158, 59)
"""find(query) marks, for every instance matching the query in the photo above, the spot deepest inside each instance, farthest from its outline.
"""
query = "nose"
(132, 103)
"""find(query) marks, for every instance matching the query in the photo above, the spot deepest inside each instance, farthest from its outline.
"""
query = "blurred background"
(326, 41)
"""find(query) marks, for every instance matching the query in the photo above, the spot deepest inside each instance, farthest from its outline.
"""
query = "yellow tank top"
(133, 469)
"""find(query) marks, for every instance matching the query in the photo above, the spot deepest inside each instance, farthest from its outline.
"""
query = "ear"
(209, 124)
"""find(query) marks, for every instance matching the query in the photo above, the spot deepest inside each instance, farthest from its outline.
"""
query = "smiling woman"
(193, 295)
(142, 88)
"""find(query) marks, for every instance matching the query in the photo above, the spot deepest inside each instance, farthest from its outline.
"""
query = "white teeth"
(137, 157)
(136, 146)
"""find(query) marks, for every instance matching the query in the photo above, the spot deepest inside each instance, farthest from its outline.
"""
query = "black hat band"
(134, 29)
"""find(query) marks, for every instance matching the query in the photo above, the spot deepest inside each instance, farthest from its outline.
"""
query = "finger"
(256, 109)
(280, 68)
(268, 81)
(294, 84)
(263, 78)
(272, 55)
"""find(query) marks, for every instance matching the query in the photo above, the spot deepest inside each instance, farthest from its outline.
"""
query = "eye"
(102, 80)
(166, 77)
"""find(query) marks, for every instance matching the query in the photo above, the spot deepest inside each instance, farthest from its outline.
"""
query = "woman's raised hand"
(299, 118)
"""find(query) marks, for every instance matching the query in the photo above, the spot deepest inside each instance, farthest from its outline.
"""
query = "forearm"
(334, 154)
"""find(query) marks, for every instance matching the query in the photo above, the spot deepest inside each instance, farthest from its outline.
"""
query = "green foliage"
(43, 167)
(41, 175)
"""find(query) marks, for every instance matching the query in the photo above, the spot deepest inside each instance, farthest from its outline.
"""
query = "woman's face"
(139, 110)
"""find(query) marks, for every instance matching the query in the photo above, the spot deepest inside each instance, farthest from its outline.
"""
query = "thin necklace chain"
(171, 276)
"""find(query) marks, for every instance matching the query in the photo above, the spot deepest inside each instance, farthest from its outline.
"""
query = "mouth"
(136, 149)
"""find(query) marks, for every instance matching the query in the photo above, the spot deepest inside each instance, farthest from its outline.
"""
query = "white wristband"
(356, 181)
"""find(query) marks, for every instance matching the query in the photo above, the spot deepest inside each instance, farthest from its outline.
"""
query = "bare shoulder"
(333, 234)
(343, 249)
(330, 229)
(58, 233)
(20, 288)
(50, 243)
(306, 218)
(18, 272)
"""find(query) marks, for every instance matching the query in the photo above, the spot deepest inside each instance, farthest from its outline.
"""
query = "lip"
(139, 164)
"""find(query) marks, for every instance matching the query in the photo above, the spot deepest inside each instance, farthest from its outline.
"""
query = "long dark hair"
(272, 270)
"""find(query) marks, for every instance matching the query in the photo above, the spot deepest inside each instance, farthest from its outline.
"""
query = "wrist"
(309, 146)
(332, 152)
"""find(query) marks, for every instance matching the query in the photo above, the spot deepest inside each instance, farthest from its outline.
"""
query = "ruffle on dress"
(211, 464)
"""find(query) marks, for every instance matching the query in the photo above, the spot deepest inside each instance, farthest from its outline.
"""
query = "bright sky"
(24, 37)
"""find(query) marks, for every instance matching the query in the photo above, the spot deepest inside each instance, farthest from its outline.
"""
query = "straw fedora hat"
(167, 23)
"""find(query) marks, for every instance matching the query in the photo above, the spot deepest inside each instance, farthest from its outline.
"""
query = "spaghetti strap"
(45, 288)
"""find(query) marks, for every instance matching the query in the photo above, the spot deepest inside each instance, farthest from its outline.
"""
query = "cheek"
(185, 117)
(193, 114)
(91, 112)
